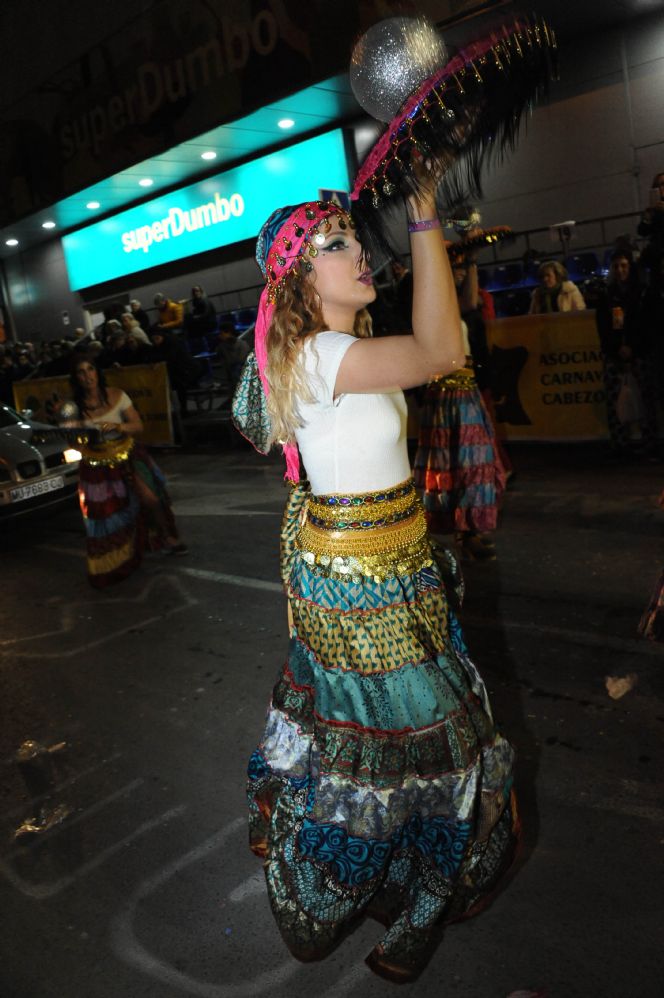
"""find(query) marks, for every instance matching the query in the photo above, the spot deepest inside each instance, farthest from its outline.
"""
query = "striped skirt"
(118, 528)
(380, 786)
(457, 463)
(651, 624)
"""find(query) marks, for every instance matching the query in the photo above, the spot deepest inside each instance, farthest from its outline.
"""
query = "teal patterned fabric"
(249, 407)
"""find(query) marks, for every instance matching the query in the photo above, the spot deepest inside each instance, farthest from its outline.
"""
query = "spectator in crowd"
(82, 339)
(7, 372)
(184, 371)
(133, 328)
(201, 317)
(652, 227)
(390, 312)
(627, 347)
(137, 351)
(115, 352)
(555, 292)
(112, 315)
(170, 313)
(60, 360)
(232, 351)
(653, 322)
(401, 295)
(140, 315)
(25, 368)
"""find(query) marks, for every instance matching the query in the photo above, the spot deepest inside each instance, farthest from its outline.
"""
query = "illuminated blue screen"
(215, 212)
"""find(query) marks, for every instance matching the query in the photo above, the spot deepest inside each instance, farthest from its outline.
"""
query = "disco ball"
(391, 60)
(67, 411)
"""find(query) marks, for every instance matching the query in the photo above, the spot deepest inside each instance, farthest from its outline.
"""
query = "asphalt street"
(152, 696)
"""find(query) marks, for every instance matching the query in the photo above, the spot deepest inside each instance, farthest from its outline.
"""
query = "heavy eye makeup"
(335, 244)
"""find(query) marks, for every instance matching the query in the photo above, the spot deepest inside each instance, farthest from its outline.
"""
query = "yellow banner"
(547, 379)
(146, 385)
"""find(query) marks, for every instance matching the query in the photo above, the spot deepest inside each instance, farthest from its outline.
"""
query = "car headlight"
(71, 456)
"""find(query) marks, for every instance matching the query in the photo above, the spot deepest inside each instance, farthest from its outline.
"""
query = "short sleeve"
(321, 356)
(125, 402)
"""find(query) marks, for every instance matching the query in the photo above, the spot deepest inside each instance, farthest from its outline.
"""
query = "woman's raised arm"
(436, 345)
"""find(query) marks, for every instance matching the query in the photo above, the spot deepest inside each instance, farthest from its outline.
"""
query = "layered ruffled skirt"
(380, 785)
(117, 525)
(651, 624)
(457, 464)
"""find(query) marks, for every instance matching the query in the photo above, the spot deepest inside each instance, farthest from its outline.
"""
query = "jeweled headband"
(290, 235)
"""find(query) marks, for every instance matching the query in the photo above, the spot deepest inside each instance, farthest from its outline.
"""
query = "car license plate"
(38, 488)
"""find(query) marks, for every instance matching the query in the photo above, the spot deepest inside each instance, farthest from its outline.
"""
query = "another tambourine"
(478, 240)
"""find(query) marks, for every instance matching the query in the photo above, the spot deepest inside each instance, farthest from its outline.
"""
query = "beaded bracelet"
(424, 225)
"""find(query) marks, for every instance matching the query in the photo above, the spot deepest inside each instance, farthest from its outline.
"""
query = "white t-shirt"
(115, 413)
(354, 443)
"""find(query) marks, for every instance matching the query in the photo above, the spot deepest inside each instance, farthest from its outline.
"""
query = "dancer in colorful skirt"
(651, 624)
(457, 464)
(380, 786)
(122, 492)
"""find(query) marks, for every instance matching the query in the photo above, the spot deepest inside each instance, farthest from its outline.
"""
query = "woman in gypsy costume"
(380, 786)
(651, 624)
(457, 464)
(122, 492)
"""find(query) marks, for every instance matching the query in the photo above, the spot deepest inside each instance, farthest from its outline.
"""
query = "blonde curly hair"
(298, 315)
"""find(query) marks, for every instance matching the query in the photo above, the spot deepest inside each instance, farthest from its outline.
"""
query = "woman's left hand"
(423, 204)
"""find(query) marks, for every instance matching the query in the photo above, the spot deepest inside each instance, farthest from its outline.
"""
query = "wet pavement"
(146, 700)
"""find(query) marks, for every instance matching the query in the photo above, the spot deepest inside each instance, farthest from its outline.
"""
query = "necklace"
(93, 406)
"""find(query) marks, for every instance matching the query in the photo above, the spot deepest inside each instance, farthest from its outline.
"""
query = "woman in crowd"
(184, 371)
(201, 316)
(627, 348)
(380, 786)
(122, 493)
(139, 313)
(555, 292)
(132, 327)
(652, 227)
(457, 464)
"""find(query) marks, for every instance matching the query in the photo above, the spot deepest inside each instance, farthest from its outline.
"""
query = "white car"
(36, 470)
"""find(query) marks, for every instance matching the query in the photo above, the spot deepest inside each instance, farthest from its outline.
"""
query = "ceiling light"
(146, 182)
(48, 225)
(286, 123)
(92, 205)
(209, 155)
(11, 242)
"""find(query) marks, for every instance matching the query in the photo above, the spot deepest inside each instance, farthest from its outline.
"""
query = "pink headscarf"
(290, 244)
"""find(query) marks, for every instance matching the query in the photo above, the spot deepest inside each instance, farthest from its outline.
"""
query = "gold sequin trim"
(379, 553)
(464, 379)
(108, 454)
(363, 510)
(364, 498)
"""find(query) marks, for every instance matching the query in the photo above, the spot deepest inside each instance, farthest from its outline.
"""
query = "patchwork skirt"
(117, 527)
(457, 464)
(380, 786)
(651, 624)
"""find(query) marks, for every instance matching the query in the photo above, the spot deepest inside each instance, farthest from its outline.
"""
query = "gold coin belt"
(108, 454)
(464, 379)
(392, 541)
(365, 510)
